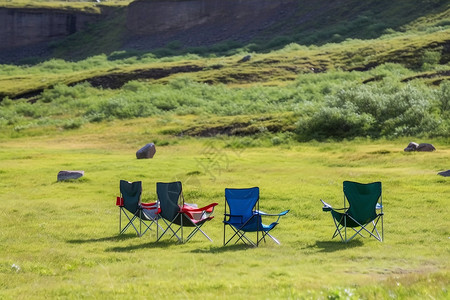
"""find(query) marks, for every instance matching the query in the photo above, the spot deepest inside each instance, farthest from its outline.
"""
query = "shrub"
(73, 124)
(444, 100)
(385, 109)
(29, 110)
(334, 122)
(430, 59)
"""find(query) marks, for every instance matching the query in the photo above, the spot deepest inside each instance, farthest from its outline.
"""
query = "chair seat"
(254, 227)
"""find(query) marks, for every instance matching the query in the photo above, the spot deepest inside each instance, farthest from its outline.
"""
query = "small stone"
(148, 151)
(245, 58)
(67, 175)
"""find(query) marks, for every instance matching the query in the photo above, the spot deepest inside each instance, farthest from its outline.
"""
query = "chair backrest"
(169, 196)
(362, 199)
(131, 194)
(241, 203)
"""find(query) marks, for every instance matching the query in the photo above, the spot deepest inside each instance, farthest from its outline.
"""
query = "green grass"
(59, 239)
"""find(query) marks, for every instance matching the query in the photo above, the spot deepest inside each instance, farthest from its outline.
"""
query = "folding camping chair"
(364, 212)
(175, 212)
(245, 216)
(131, 207)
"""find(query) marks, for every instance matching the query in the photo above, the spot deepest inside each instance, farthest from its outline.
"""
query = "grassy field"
(60, 239)
(361, 99)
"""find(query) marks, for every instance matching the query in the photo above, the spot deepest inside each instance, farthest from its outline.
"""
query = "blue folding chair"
(244, 216)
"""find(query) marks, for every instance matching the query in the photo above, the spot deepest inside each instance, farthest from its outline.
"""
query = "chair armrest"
(258, 212)
(119, 201)
(261, 213)
(208, 208)
(328, 207)
(235, 216)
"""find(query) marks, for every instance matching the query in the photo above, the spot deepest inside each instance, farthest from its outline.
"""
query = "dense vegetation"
(333, 104)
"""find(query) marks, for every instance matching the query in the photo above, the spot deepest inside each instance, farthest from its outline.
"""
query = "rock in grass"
(148, 151)
(425, 147)
(445, 173)
(68, 175)
(245, 58)
(411, 147)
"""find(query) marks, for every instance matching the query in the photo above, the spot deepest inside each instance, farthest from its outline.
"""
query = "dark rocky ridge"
(149, 24)
(29, 32)
(20, 27)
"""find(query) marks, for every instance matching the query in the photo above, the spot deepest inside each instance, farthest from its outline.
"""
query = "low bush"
(387, 109)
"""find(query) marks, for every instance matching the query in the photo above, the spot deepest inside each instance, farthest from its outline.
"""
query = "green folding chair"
(131, 207)
(363, 213)
(177, 214)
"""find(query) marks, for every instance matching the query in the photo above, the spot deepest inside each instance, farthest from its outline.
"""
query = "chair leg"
(338, 229)
(241, 237)
(130, 222)
(194, 231)
(363, 227)
(169, 226)
(272, 237)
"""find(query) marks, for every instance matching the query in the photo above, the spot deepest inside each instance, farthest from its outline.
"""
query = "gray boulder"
(445, 173)
(148, 151)
(411, 147)
(425, 147)
(67, 175)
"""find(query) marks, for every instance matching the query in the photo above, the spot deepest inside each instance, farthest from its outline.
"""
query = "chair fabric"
(131, 207)
(365, 207)
(177, 214)
(244, 216)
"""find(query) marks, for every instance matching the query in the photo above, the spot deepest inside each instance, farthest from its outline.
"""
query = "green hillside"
(322, 67)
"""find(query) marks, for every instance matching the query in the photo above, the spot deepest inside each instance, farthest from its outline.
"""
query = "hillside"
(373, 69)
(231, 28)
(36, 33)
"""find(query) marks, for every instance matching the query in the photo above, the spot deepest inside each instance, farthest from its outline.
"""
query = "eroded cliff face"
(149, 24)
(156, 23)
(150, 17)
(21, 27)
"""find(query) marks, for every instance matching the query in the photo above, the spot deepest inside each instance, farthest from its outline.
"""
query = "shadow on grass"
(333, 246)
(222, 249)
(113, 238)
(150, 245)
